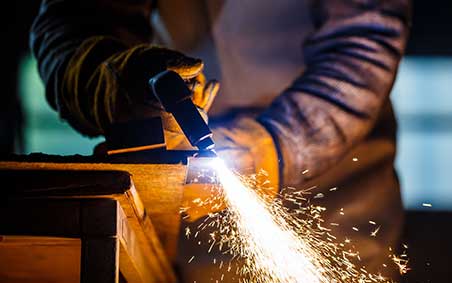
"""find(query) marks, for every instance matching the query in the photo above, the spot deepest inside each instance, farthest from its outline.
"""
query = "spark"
(308, 190)
(319, 195)
(401, 263)
(277, 244)
(374, 233)
(427, 204)
(187, 232)
(277, 253)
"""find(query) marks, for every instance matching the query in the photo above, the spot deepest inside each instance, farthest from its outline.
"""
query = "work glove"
(248, 149)
(118, 85)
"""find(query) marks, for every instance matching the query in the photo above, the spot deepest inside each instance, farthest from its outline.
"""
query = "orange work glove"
(248, 149)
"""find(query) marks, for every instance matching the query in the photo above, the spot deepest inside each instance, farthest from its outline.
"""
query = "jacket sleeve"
(77, 36)
(351, 62)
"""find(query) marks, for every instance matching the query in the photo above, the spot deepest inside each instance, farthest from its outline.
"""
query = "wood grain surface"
(159, 186)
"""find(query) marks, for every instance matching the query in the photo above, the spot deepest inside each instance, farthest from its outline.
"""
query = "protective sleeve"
(71, 38)
(351, 62)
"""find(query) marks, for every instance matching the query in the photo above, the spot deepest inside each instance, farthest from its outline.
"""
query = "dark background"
(431, 33)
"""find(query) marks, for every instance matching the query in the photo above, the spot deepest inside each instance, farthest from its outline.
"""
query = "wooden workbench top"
(159, 186)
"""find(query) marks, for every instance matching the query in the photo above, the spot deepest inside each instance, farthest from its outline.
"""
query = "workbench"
(66, 221)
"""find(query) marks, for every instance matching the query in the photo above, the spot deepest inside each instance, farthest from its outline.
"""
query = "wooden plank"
(127, 268)
(100, 241)
(99, 260)
(26, 259)
(99, 217)
(104, 219)
(142, 257)
(138, 260)
(160, 187)
(140, 245)
(30, 183)
(43, 217)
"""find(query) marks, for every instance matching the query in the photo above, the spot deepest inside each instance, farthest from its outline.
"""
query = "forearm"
(77, 36)
(351, 62)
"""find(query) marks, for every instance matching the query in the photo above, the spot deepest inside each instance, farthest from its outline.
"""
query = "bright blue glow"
(422, 99)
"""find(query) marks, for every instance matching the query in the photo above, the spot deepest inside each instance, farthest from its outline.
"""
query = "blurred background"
(422, 99)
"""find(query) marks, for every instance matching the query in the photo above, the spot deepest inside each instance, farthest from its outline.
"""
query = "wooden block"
(27, 259)
(55, 219)
(99, 217)
(99, 260)
(109, 232)
(159, 186)
(139, 260)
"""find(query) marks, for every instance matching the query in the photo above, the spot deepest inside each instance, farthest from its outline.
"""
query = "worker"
(304, 91)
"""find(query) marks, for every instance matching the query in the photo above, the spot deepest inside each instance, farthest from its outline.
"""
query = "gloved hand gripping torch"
(144, 141)
(175, 97)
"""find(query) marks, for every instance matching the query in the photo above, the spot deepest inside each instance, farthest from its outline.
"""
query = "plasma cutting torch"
(143, 140)
(175, 97)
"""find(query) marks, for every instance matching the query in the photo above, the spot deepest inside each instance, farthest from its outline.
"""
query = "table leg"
(99, 260)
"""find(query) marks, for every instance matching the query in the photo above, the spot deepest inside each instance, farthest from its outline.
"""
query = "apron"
(254, 48)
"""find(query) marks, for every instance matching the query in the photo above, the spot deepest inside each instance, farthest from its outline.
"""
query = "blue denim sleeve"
(351, 62)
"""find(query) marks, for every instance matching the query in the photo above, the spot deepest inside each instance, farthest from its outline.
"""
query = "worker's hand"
(248, 149)
(139, 64)
(131, 70)
(119, 84)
